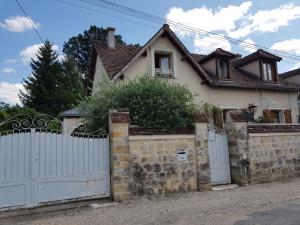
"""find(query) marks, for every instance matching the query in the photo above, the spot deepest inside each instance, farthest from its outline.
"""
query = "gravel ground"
(202, 208)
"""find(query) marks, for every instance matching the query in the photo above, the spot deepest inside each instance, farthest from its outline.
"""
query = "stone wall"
(263, 153)
(154, 168)
(145, 162)
(274, 156)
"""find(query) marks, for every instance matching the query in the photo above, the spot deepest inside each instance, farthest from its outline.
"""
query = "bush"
(152, 103)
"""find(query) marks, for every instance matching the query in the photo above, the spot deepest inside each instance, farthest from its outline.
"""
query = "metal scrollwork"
(39, 121)
(81, 129)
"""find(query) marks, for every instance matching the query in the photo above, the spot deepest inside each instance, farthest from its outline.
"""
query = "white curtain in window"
(164, 64)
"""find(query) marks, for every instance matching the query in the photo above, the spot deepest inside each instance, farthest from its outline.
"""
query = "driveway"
(264, 204)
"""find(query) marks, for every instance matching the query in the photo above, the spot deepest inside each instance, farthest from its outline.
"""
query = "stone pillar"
(202, 157)
(236, 129)
(119, 150)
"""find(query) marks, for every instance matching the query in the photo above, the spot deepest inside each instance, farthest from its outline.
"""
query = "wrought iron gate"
(219, 156)
(39, 164)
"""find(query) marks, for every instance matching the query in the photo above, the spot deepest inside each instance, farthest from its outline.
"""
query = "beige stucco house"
(222, 78)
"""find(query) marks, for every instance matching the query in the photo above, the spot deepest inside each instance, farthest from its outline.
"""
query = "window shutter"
(288, 116)
(267, 114)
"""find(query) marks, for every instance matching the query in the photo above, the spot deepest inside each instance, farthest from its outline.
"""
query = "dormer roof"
(259, 54)
(219, 52)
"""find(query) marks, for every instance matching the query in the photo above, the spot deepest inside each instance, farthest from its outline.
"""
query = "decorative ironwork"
(46, 123)
(212, 127)
(81, 129)
(39, 121)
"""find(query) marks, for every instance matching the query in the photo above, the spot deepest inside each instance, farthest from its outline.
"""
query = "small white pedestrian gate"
(38, 165)
(219, 157)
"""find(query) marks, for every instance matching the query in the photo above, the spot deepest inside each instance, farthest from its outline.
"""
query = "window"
(267, 71)
(163, 64)
(222, 68)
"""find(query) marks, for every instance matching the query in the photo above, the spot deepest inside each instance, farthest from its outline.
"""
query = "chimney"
(110, 38)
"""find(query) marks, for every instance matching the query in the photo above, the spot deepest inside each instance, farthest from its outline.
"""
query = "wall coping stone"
(136, 130)
(119, 117)
(272, 128)
(161, 137)
(273, 134)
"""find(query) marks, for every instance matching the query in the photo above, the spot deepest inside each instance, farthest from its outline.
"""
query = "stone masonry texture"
(154, 168)
(264, 156)
(148, 164)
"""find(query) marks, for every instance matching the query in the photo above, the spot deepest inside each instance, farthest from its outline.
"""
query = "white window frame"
(172, 52)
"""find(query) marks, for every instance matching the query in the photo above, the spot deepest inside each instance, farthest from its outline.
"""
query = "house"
(221, 78)
(293, 76)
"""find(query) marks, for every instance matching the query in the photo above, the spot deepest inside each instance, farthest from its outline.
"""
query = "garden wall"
(146, 162)
(262, 153)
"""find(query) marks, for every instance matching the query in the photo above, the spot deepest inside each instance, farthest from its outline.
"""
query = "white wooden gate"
(219, 157)
(38, 166)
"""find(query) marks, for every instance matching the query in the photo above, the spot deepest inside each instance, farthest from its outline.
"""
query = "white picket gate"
(39, 166)
(219, 157)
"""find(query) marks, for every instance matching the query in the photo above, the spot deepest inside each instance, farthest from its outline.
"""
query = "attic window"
(223, 68)
(268, 72)
(163, 64)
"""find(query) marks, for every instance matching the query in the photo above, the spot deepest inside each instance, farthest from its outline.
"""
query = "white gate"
(38, 165)
(219, 157)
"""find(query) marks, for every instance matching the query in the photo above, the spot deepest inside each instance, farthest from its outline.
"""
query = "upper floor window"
(163, 64)
(268, 72)
(223, 68)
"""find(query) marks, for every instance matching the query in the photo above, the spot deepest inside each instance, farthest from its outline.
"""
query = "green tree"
(71, 89)
(152, 103)
(53, 86)
(41, 87)
(79, 47)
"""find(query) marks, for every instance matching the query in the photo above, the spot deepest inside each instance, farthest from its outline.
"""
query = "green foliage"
(152, 103)
(210, 110)
(53, 86)
(15, 111)
(79, 47)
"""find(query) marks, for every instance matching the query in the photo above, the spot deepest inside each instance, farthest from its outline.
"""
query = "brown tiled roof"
(256, 55)
(290, 73)
(243, 79)
(115, 59)
(198, 57)
(220, 52)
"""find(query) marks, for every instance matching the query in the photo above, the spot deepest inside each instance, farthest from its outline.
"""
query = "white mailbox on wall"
(181, 155)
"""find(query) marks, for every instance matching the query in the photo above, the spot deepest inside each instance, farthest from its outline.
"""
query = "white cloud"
(18, 24)
(9, 92)
(248, 45)
(296, 66)
(10, 61)
(267, 20)
(31, 52)
(291, 46)
(210, 43)
(8, 70)
(223, 19)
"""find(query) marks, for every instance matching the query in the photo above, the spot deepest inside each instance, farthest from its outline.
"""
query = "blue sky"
(274, 24)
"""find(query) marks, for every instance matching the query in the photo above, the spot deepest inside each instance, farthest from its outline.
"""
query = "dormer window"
(163, 64)
(268, 72)
(222, 68)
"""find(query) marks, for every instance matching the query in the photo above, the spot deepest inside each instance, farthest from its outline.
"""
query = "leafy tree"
(71, 89)
(79, 47)
(51, 87)
(152, 103)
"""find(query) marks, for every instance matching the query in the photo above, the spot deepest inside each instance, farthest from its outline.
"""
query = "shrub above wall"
(152, 103)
